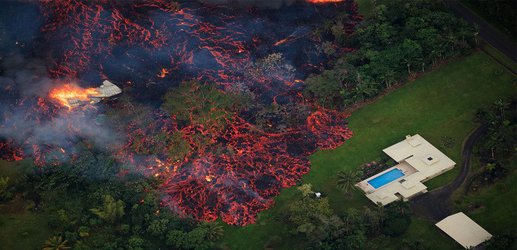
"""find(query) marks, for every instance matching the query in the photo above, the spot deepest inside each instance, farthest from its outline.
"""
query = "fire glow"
(324, 1)
(69, 92)
(235, 171)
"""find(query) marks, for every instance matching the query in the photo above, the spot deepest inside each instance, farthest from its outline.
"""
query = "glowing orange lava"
(163, 73)
(324, 1)
(68, 95)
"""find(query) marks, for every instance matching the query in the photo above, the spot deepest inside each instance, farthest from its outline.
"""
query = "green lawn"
(19, 228)
(502, 58)
(495, 204)
(23, 230)
(440, 103)
(423, 230)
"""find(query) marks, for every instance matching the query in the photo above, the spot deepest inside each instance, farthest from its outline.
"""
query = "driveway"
(491, 35)
(435, 205)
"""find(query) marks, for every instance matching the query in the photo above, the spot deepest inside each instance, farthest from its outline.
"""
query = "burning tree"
(233, 129)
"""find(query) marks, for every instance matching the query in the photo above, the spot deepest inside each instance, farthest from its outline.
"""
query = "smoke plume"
(22, 83)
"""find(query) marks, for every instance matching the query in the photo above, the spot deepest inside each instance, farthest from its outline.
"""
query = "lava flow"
(232, 166)
(325, 1)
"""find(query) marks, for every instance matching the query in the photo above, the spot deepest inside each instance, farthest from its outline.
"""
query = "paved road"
(495, 38)
(435, 205)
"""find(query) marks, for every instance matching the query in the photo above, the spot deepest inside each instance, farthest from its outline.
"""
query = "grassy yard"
(502, 58)
(19, 228)
(440, 103)
(493, 206)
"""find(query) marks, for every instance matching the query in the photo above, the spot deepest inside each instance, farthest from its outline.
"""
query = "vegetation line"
(511, 70)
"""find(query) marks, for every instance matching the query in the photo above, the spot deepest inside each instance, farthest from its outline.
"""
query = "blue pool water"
(386, 178)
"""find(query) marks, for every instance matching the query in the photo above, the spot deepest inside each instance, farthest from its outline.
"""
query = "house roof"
(419, 160)
(464, 230)
(420, 154)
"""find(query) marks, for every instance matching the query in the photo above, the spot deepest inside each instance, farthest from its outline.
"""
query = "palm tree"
(388, 77)
(214, 231)
(4, 184)
(55, 243)
(111, 211)
(347, 179)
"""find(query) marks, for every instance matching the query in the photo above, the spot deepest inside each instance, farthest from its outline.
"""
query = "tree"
(306, 189)
(136, 243)
(397, 219)
(338, 31)
(326, 87)
(111, 211)
(308, 211)
(4, 185)
(195, 239)
(158, 227)
(198, 103)
(347, 179)
(410, 51)
(55, 243)
(398, 208)
(501, 242)
(214, 231)
(413, 244)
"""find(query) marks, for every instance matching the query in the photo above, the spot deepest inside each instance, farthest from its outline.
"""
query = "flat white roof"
(421, 155)
(464, 230)
(419, 160)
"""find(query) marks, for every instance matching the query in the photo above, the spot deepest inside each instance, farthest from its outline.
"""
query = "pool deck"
(418, 160)
(368, 188)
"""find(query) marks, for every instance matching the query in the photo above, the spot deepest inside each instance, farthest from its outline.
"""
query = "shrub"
(396, 226)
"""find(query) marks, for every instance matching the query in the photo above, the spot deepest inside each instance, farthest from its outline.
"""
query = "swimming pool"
(386, 178)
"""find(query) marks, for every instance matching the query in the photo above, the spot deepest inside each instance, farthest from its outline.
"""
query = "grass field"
(495, 204)
(19, 228)
(503, 59)
(440, 103)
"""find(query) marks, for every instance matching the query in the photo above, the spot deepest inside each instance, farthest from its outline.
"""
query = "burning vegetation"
(233, 127)
(70, 95)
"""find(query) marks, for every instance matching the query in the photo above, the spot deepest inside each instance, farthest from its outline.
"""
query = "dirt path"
(435, 205)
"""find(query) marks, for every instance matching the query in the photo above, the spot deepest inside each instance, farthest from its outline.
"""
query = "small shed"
(464, 230)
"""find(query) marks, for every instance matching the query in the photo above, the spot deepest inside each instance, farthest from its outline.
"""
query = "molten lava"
(69, 94)
(163, 73)
(324, 1)
(230, 172)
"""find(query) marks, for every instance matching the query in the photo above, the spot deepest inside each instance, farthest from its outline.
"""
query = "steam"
(23, 81)
(27, 76)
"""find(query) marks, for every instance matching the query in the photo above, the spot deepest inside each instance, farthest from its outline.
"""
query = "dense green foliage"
(500, 141)
(4, 188)
(55, 243)
(313, 218)
(89, 206)
(400, 39)
(501, 13)
(197, 103)
(450, 95)
(496, 148)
